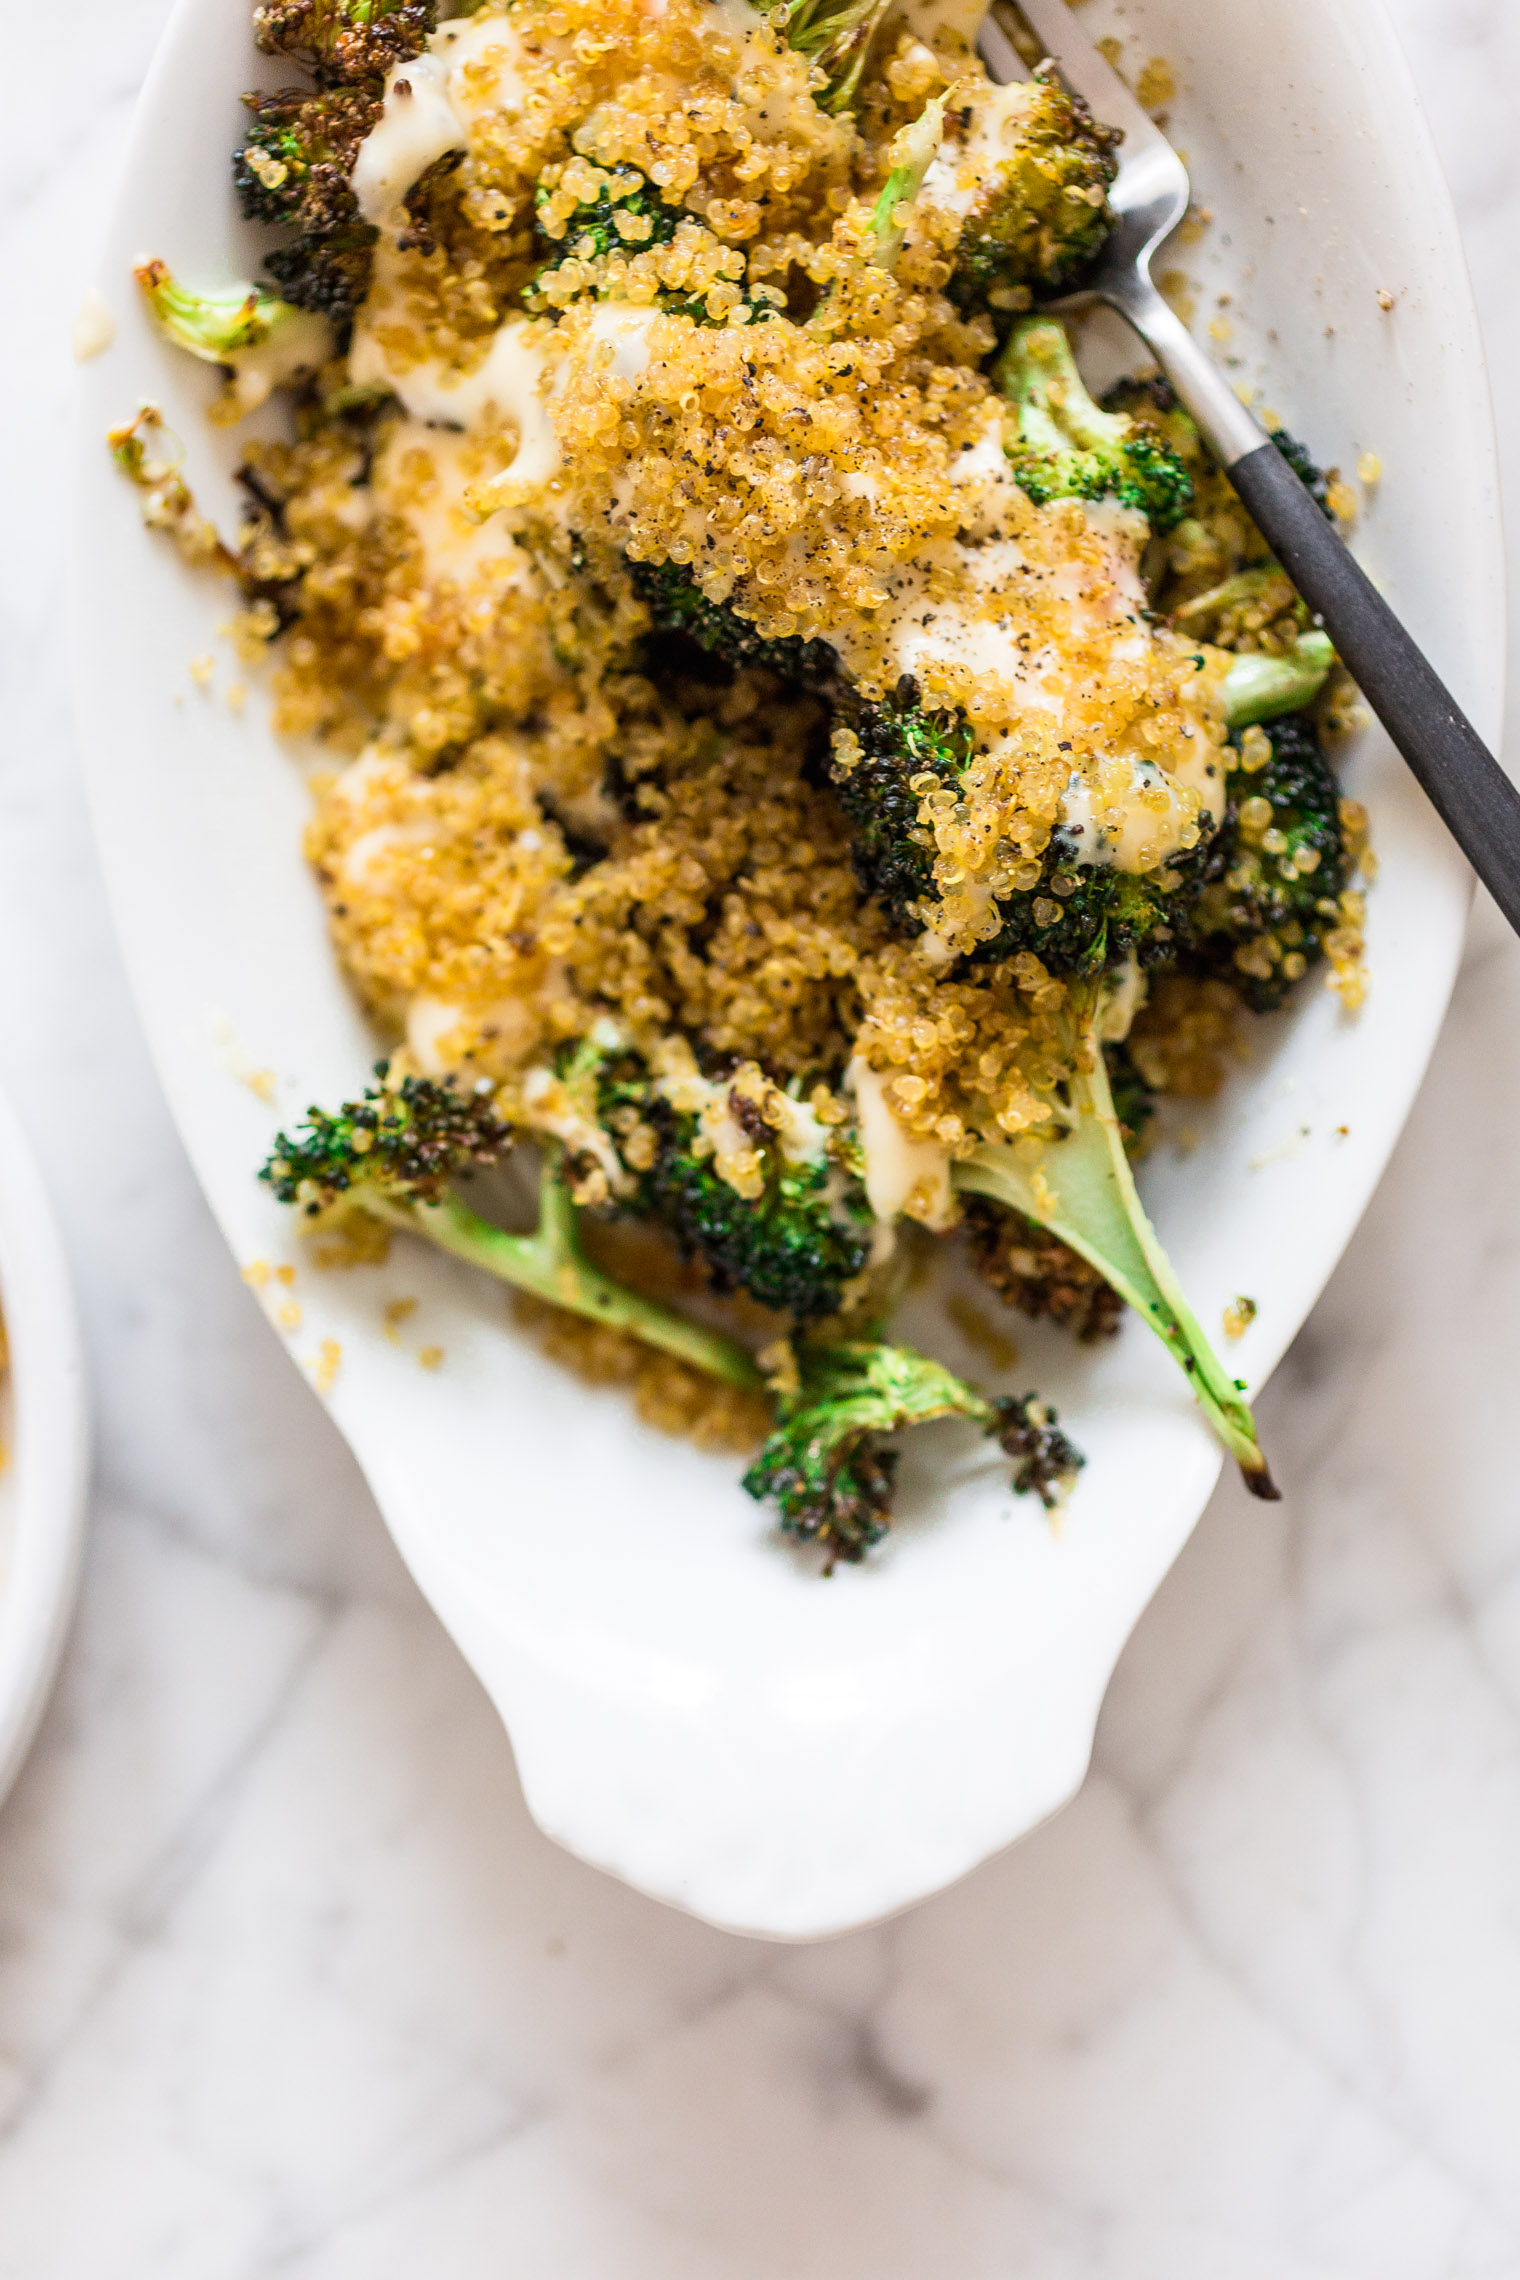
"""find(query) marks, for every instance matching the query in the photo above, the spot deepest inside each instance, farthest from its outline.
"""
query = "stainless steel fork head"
(1150, 195)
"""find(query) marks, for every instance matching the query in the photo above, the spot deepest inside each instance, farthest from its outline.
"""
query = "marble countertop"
(288, 1981)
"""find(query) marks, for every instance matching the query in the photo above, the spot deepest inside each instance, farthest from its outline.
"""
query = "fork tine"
(1085, 70)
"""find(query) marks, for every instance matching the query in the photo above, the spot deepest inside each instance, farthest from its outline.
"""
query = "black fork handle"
(1465, 784)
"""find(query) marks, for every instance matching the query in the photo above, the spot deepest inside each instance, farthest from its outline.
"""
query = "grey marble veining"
(288, 1982)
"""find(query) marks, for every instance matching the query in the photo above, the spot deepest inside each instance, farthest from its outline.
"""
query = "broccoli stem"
(551, 1264)
(1260, 688)
(912, 154)
(1038, 374)
(1082, 1189)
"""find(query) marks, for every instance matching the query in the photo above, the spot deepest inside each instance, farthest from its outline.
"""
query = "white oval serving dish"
(691, 1707)
(44, 1426)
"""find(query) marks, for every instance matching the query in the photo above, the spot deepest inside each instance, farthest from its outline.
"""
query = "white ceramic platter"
(44, 1429)
(691, 1706)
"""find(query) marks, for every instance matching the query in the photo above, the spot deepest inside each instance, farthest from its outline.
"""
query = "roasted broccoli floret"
(892, 743)
(797, 1243)
(394, 1153)
(1080, 1186)
(294, 171)
(1314, 479)
(677, 604)
(294, 167)
(1078, 918)
(345, 42)
(825, 1470)
(626, 216)
(1277, 869)
(1070, 449)
(1044, 218)
(1035, 1271)
(261, 341)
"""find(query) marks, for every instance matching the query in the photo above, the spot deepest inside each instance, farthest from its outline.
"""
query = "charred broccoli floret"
(404, 1142)
(1276, 870)
(825, 1470)
(892, 743)
(1080, 1186)
(294, 167)
(1070, 449)
(345, 42)
(1035, 1271)
(294, 171)
(1042, 218)
(394, 1154)
(677, 604)
(1079, 917)
(797, 1243)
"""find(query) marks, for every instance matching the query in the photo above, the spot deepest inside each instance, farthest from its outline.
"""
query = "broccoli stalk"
(823, 1466)
(261, 341)
(394, 1153)
(1068, 448)
(913, 151)
(1262, 688)
(1082, 1188)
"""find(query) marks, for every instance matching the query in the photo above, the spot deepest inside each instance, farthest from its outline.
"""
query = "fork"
(1465, 784)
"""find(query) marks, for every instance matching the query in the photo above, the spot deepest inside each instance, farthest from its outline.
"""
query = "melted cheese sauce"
(422, 474)
(964, 169)
(467, 70)
(899, 1168)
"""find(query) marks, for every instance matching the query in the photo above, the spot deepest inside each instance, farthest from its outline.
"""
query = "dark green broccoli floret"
(795, 1247)
(345, 41)
(327, 271)
(405, 1141)
(823, 1466)
(394, 1154)
(1068, 448)
(1049, 216)
(1313, 478)
(1079, 916)
(678, 605)
(898, 740)
(1277, 868)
